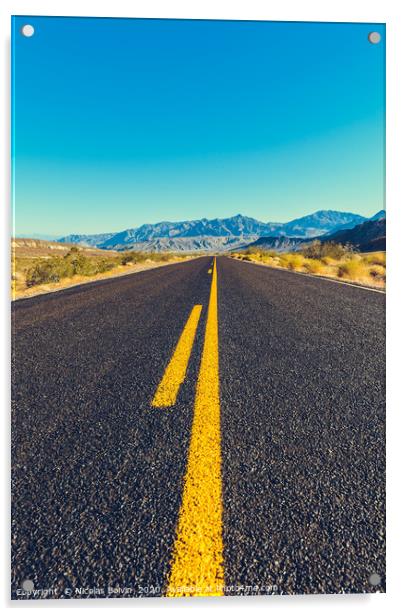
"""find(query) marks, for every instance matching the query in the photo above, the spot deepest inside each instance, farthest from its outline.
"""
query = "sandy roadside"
(381, 288)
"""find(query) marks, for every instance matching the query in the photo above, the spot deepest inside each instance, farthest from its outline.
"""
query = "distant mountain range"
(365, 237)
(220, 234)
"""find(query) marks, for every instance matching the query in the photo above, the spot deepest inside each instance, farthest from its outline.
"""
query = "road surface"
(202, 428)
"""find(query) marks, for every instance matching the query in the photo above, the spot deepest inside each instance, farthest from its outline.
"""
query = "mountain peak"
(378, 215)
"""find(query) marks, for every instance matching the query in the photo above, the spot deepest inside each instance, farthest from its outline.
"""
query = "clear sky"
(120, 122)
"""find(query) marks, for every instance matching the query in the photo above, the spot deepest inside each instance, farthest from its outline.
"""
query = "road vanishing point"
(211, 427)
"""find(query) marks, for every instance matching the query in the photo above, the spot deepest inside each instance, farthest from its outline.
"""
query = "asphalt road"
(99, 473)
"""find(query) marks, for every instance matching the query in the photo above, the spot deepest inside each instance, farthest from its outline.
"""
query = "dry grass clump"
(319, 250)
(375, 258)
(353, 268)
(329, 261)
(314, 266)
(378, 272)
(292, 261)
(268, 254)
(256, 254)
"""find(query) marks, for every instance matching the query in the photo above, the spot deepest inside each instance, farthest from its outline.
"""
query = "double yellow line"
(197, 564)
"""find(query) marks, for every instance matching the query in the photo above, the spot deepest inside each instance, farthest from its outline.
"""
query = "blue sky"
(120, 122)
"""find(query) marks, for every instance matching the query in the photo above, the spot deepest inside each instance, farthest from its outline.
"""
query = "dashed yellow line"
(197, 565)
(175, 373)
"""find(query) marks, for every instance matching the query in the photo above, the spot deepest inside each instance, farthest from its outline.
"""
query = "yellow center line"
(197, 564)
(175, 372)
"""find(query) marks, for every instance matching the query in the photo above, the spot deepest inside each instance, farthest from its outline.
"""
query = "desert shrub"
(140, 257)
(251, 250)
(377, 271)
(127, 258)
(375, 258)
(313, 250)
(353, 268)
(318, 250)
(270, 253)
(268, 260)
(105, 265)
(283, 260)
(328, 261)
(134, 256)
(313, 266)
(44, 272)
(259, 254)
(82, 266)
(265, 256)
(291, 260)
(164, 257)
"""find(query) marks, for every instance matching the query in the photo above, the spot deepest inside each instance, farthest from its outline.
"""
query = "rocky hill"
(217, 234)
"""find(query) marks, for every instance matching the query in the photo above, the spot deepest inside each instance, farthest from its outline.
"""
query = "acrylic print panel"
(198, 308)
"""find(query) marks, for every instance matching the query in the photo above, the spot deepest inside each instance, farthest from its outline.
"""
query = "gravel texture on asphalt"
(97, 472)
(303, 431)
